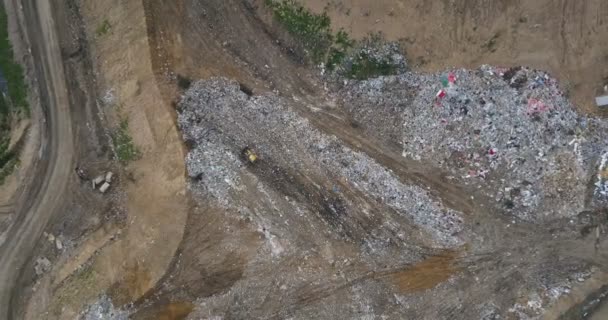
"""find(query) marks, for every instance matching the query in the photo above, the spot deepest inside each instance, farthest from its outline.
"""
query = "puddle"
(169, 311)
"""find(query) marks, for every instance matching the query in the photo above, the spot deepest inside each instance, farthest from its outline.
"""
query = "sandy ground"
(566, 38)
(154, 186)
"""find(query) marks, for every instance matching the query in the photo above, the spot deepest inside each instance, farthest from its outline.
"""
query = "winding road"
(45, 195)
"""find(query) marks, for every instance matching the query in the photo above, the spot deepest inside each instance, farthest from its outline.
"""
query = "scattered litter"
(104, 187)
(103, 181)
(602, 176)
(58, 244)
(98, 181)
(602, 101)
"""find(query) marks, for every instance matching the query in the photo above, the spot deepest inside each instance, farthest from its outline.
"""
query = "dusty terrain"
(127, 242)
(334, 221)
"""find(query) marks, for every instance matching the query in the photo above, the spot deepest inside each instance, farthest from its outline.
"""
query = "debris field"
(510, 135)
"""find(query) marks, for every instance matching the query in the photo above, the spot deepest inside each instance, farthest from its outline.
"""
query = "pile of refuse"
(512, 133)
(217, 120)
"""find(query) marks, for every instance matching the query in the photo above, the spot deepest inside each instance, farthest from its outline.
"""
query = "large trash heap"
(512, 133)
(217, 120)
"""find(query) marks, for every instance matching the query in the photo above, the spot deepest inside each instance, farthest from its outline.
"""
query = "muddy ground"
(287, 243)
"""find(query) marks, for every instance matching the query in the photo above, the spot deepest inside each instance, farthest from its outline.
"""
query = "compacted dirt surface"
(374, 199)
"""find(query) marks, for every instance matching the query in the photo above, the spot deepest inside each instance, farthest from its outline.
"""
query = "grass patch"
(8, 168)
(8, 159)
(80, 287)
(103, 28)
(14, 102)
(364, 67)
(124, 147)
(13, 72)
(314, 30)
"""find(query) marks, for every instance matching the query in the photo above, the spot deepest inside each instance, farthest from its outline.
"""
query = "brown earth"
(154, 188)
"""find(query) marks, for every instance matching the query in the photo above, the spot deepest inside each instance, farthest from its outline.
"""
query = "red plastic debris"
(451, 78)
(441, 94)
(492, 151)
(536, 106)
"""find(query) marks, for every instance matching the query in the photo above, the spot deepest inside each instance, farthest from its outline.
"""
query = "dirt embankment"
(565, 37)
(123, 263)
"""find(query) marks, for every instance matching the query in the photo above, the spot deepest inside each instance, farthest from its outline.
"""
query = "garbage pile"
(218, 120)
(510, 132)
(103, 309)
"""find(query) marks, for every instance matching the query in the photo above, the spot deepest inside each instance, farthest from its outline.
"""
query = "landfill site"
(309, 159)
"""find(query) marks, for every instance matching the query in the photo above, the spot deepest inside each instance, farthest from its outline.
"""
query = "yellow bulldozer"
(249, 155)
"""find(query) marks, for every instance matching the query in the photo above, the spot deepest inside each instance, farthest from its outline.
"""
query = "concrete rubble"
(103, 182)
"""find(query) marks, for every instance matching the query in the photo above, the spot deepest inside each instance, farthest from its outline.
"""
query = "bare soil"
(122, 242)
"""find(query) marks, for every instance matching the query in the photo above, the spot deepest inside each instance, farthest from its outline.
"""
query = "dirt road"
(45, 194)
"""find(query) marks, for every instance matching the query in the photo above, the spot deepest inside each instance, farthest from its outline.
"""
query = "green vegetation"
(183, 82)
(15, 102)
(337, 50)
(13, 72)
(103, 28)
(364, 67)
(124, 147)
(8, 159)
(314, 30)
